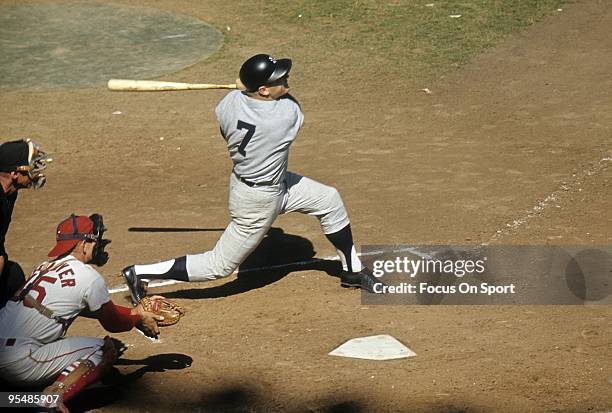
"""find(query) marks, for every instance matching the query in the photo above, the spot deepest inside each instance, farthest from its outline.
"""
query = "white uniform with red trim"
(33, 350)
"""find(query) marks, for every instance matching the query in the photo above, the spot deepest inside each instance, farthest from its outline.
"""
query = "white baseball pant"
(253, 211)
(28, 362)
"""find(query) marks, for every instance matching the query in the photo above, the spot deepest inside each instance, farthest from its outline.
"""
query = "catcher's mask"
(27, 157)
(81, 228)
(100, 256)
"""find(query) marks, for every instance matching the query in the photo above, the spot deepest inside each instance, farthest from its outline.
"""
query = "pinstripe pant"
(30, 363)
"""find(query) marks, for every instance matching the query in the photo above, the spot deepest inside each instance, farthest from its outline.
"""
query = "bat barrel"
(128, 85)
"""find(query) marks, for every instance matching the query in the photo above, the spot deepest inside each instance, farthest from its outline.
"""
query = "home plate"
(382, 347)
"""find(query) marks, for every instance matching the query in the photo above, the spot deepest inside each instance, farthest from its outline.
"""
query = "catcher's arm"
(116, 319)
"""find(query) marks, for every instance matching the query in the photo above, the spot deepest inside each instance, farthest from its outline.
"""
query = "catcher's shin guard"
(82, 373)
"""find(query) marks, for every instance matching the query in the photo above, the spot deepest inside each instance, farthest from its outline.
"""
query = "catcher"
(34, 351)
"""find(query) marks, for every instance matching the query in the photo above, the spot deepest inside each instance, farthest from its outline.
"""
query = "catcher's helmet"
(261, 70)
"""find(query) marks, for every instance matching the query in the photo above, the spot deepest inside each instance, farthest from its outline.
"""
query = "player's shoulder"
(231, 96)
(90, 279)
(291, 109)
(290, 100)
(91, 271)
(290, 104)
(82, 269)
(228, 101)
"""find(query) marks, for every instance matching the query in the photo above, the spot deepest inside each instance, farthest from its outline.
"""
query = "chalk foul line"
(553, 199)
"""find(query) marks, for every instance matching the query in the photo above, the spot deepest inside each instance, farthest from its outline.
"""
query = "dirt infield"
(469, 163)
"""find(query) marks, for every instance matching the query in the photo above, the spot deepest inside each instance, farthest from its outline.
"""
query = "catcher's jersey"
(258, 134)
(66, 287)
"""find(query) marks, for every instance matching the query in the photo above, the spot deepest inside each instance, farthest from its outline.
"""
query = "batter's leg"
(310, 197)
(253, 211)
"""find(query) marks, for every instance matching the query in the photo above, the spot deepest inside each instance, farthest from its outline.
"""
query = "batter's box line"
(553, 199)
(156, 284)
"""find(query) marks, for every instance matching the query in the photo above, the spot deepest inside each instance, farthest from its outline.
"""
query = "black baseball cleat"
(362, 279)
(134, 283)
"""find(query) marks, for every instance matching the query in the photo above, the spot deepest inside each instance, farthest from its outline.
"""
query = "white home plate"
(382, 347)
(151, 339)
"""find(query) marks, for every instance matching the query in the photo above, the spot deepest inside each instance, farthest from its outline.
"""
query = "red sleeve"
(116, 319)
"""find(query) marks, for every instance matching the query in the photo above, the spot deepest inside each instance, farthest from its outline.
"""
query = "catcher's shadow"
(276, 256)
(115, 383)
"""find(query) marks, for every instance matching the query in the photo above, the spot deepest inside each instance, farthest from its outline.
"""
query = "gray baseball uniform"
(259, 134)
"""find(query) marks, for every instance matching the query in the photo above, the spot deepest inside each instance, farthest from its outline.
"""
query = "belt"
(9, 342)
(251, 183)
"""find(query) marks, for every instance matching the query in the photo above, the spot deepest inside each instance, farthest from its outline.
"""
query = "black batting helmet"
(263, 69)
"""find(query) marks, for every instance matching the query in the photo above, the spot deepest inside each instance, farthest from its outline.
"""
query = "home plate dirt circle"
(84, 45)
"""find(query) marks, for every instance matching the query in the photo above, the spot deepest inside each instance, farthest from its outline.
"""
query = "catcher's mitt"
(171, 312)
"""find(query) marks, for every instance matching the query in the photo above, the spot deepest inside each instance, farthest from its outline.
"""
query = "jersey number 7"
(245, 141)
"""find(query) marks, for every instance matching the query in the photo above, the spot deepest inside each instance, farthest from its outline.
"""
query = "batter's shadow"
(278, 255)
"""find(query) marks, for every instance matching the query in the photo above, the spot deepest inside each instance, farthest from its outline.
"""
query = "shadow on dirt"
(280, 254)
(246, 398)
(115, 385)
(126, 391)
(241, 399)
(155, 363)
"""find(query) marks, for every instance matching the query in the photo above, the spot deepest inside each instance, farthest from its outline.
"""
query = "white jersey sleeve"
(96, 294)
(259, 134)
(65, 287)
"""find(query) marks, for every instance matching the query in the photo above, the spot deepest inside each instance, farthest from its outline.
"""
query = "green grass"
(409, 35)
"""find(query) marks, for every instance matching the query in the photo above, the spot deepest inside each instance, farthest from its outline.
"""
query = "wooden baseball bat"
(127, 85)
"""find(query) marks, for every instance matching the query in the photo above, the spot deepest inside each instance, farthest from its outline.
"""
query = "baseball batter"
(259, 126)
(33, 349)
